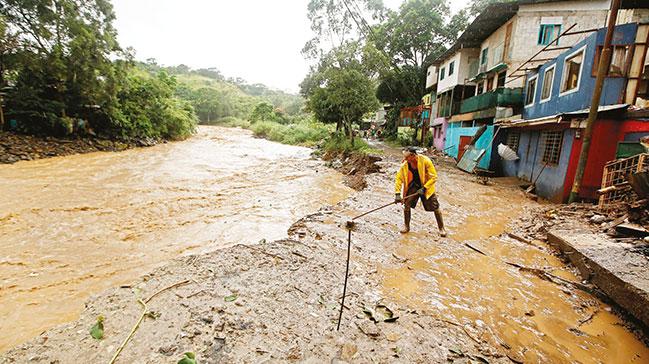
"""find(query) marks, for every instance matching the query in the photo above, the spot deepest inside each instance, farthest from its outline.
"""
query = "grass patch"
(340, 143)
(230, 121)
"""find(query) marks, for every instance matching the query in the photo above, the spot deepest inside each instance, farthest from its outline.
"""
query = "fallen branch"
(547, 276)
(475, 249)
(145, 309)
(260, 251)
(588, 319)
(299, 255)
(519, 238)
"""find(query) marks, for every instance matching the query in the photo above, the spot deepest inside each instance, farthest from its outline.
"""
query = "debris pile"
(355, 166)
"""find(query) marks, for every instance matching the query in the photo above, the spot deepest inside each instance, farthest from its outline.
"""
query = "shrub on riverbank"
(303, 133)
(231, 122)
(341, 143)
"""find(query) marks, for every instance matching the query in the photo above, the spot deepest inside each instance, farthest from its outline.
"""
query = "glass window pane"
(548, 80)
(529, 93)
(572, 66)
(618, 61)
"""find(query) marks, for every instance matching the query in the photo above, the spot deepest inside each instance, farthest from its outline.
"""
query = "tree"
(206, 102)
(64, 66)
(68, 66)
(347, 95)
(335, 22)
(263, 111)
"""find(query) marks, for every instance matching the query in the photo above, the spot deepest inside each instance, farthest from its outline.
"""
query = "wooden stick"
(145, 309)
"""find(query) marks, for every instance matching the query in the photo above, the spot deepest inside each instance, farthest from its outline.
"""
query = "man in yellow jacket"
(417, 175)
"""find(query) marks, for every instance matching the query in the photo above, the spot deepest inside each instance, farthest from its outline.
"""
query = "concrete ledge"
(613, 267)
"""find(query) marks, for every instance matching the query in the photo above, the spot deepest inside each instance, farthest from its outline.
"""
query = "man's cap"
(412, 150)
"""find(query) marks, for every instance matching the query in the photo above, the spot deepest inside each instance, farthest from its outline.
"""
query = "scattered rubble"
(355, 166)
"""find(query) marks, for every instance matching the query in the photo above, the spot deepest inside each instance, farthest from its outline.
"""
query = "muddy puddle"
(529, 319)
(73, 226)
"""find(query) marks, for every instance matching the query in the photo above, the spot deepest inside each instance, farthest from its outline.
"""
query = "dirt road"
(456, 298)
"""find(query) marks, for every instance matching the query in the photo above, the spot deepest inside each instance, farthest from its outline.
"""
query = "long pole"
(349, 249)
(2, 115)
(602, 70)
(350, 226)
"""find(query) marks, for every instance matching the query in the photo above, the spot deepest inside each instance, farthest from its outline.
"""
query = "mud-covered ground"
(17, 147)
(476, 296)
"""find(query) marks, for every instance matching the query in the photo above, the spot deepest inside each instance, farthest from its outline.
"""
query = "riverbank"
(476, 295)
(16, 147)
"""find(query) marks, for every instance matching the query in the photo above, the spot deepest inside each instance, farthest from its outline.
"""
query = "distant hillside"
(214, 97)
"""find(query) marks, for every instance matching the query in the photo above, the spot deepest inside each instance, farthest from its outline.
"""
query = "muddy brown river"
(71, 227)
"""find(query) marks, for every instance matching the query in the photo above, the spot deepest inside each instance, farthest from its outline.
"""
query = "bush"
(403, 138)
(306, 133)
(341, 143)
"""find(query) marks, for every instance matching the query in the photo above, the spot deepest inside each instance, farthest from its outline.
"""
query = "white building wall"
(496, 41)
(462, 58)
(431, 76)
(587, 14)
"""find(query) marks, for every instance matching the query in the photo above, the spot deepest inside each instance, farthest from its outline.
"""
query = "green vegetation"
(340, 143)
(214, 97)
(64, 73)
(391, 49)
(307, 133)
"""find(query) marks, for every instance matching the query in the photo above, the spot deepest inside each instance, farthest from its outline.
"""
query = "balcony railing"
(498, 97)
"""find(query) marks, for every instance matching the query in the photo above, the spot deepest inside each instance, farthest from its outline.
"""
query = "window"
(552, 141)
(451, 68)
(480, 88)
(572, 71)
(513, 139)
(530, 91)
(441, 73)
(619, 59)
(548, 33)
(548, 80)
(485, 56)
(501, 79)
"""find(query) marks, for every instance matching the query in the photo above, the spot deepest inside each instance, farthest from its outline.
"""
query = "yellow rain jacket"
(427, 174)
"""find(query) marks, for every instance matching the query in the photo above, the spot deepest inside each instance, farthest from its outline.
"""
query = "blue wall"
(452, 144)
(581, 99)
(530, 150)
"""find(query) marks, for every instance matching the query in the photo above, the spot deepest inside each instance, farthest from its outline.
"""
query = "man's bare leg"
(440, 223)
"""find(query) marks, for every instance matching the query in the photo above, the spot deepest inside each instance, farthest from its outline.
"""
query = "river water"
(71, 227)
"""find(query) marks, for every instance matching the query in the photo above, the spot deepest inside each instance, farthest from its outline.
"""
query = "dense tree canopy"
(392, 48)
(67, 73)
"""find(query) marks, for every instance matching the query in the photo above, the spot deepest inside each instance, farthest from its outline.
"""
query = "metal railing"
(498, 97)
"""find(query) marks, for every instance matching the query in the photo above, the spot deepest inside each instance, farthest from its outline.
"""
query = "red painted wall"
(606, 135)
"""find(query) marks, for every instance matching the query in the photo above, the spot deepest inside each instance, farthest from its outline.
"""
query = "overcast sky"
(258, 40)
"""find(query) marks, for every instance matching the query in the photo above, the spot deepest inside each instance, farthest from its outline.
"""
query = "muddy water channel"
(529, 319)
(73, 226)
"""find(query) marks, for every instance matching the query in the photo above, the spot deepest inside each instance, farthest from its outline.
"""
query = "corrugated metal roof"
(625, 4)
(558, 118)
